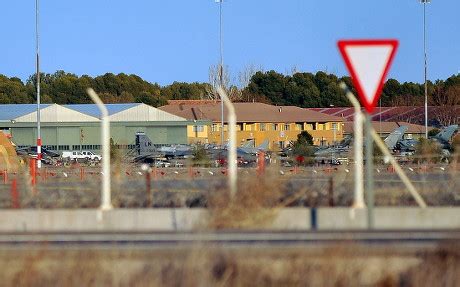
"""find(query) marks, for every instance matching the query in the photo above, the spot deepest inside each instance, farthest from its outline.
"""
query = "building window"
(334, 127)
(287, 127)
(262, 127)
(63, 147)
(198, 129)
(299, 127)
(214, 127)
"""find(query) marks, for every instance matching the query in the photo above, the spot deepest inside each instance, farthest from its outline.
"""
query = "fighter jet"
(249, 148)
(176, 151)
(442, 138)
(145, 151)
(341, 150)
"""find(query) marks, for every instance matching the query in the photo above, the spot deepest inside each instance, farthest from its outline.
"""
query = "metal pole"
(380, 117)
(358, 201)
(369, 173)
(426, 68)
(37, 49)
(232, 159)
(106, 203)
(221, 73)
(402, 175)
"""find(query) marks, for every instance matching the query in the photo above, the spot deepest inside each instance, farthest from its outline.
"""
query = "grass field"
(345, 265)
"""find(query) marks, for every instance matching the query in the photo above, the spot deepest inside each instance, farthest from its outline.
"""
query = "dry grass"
(174, 187)
(254, 204)
(218, 266)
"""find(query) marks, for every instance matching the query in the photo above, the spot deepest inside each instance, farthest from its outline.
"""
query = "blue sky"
(164, 41)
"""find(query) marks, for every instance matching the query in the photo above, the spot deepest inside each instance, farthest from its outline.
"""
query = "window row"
(273, 127)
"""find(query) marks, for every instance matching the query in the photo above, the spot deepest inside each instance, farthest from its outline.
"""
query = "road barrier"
(183, 219)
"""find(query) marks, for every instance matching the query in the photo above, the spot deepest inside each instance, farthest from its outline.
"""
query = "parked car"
(162, 163)
(81, 155)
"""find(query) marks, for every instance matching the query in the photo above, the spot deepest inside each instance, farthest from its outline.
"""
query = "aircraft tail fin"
(144, 145)
(248, 144)
(447, 133)
(263, 146)
(346, 141)
(392, 139)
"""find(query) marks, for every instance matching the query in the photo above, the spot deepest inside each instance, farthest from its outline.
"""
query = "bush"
(427, 151)
(200, 156)
(433, 132)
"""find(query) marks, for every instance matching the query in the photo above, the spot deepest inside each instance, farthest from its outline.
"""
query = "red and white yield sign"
(368, 62)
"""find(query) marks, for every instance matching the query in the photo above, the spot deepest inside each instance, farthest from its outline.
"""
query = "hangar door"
(68, 137)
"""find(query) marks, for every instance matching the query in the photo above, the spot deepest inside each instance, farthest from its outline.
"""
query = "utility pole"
(221, 72)
(426, 68)
(39, 140)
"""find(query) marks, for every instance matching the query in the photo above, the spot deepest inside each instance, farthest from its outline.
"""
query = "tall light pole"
(221, 71)
(37, 48)
(425, 57)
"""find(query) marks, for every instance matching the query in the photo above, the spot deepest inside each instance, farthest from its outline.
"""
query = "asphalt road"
(235, 238)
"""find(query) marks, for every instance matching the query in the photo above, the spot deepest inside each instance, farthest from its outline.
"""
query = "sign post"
(368, 62)
(369, 172)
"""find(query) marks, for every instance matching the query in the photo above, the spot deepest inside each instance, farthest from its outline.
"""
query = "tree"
(304, 138)
(221, 77)
(303, 148)
(270, 85)
(391, 90)
(185, 91)
(300, 89)
(12, 91)
(447, 97)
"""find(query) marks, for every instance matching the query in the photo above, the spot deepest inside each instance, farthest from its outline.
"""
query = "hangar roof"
(93, 110)
(11, 112)
(248, 112)
(84, 113)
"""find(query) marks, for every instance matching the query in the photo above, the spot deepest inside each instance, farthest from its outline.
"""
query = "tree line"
(298, 89)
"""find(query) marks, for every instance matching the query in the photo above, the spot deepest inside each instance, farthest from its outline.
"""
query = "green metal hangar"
(75, 127)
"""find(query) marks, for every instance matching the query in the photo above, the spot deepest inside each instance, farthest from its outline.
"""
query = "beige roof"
(388, 127)
(249, 112)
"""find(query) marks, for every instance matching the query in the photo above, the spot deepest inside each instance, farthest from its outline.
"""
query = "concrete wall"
(195, 219)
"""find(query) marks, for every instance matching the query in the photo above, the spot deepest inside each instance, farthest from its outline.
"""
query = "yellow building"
(257, 122)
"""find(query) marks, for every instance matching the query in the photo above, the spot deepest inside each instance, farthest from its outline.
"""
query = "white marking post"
(358, 201)
(106, 202)
(232, 159)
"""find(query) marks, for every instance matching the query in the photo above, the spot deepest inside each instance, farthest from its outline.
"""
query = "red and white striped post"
(14, 194)
(5, 176)
(39, 152)
(261, 163)
(33, 171)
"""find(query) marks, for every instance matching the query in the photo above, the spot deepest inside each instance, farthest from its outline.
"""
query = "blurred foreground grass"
(345, 265)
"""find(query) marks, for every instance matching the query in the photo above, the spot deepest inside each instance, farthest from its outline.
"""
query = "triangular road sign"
(368, 62)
